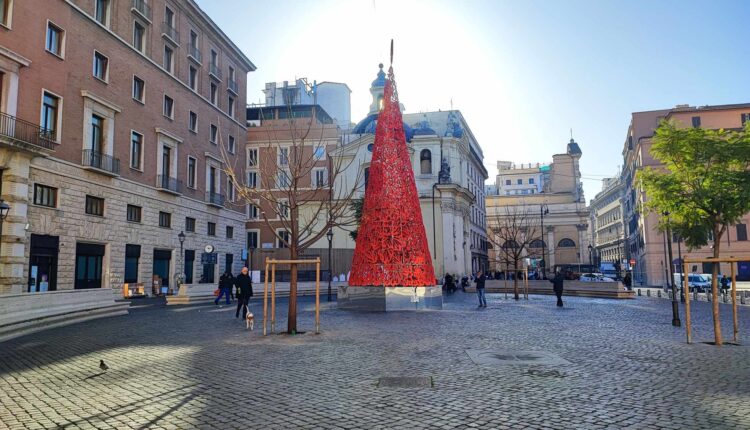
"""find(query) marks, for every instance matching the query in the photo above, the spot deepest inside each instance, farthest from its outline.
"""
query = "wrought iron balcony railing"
(194, 52)
(100, 161)
(26, 132)
(214, 198)
(215, 70)
(169, 183)
(170, 32)
(142, 8)
(232, 85)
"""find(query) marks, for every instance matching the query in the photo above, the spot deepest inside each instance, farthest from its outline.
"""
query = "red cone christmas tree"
(391, 247)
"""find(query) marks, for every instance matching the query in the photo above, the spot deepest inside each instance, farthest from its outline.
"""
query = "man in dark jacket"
(557, 285)
(480, 289)
(225, 287)
(244, 292)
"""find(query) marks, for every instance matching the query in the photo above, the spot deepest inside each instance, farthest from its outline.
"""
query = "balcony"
(168, 184)
(170, 32)
(194, 53)
(215, 199)
(141, 8)
(215, 71)
(102, 162)
(232, 85)
(25, 135)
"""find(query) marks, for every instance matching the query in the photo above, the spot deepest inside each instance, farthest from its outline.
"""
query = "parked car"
(697, 282)
(595, 277)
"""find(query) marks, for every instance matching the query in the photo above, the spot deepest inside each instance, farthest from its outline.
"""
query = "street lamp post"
(4, 209)
(181, 237)
(543, 210)
(675, 307)
(591, 260)
(329, 235)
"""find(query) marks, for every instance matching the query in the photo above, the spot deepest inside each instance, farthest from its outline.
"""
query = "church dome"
(380, 80)
(369, 124)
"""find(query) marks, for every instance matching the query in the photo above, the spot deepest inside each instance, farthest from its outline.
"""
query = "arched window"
(367, 176)
(510, 244)
(537, 243)
(425, 162)
(566, 243)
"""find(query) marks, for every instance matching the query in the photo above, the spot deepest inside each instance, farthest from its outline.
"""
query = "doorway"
(43, 263)
(189, 259)
(162, 260)
(89, 258)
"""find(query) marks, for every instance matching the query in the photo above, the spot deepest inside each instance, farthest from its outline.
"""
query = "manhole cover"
(405, 382)
(492, 357)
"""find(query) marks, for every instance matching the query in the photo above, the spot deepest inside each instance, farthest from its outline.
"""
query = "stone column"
(551, 245)
(15, 192)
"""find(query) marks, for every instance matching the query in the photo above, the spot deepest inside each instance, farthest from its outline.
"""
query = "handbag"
(216, 292)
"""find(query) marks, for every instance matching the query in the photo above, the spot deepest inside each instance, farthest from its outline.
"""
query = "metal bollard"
(695, 296)
(658, 293)
(742, 298)
(639, 291)
(648, 293)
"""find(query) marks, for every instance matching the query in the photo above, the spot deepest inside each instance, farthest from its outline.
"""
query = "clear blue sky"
(522, 72)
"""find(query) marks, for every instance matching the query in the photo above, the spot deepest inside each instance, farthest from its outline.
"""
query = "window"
(193, 122)
(252, 211)
(193, 78)
(134, 213)
(97, 136)
(231, 74)
(252, 179)
(94, 206)
(213, 135)
(252, 239)
(519, 181)
(169, 16)
(5, 9)
(230, 232)
(214, 58)
(165, 219)
(230, 190)
(319, 178)
(741, 232)
(45, 196)
(193, 39)
(101, 64)
(507, 182)
(425, 162)
(283, 208)
(566, 243)
(745, 117)
(168, 59)
(366, 176)
(138, 88)
(54, 43)
(282, 239)
(190, 224)
(696, 121)
(231, 146)
(230, 106)
(168, 107)
(139, 36)
(191, 172)
(214, 93)
(283, 156)
(211, 229)
(50, 105)
(282, 179)
(132, 254)
(252, 157)
(531, 181)
(101, 12)
(136, 149)
(320, 153)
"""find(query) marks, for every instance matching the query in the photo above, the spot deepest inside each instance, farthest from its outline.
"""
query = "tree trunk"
(715, 288)
(292, 318)
(515, 279)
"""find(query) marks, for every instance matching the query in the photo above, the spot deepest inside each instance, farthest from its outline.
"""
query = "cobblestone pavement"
(197, 367)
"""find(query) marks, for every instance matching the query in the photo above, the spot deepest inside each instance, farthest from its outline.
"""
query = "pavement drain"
(405, 382)
(506, 357)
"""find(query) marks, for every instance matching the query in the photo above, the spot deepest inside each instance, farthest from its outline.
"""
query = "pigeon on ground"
(103, 365)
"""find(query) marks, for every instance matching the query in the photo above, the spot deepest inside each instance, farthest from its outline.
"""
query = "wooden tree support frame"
(272, 262)
(525, 285)
(686, 291)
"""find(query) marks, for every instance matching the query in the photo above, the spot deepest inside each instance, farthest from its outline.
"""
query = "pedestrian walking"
(480, 289)
(448, 283)
(225, 287)
(628, 281)
(244, 292)
(557, 285)
(725, 284)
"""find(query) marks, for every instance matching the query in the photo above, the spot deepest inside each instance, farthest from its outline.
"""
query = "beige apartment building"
(551, 192)
(607, 224)
(645, 245)
(113, 114)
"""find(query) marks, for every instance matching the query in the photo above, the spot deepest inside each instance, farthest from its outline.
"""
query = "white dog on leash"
(249, 320)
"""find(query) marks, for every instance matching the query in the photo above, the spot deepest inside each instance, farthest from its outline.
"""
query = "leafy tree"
(704, 186)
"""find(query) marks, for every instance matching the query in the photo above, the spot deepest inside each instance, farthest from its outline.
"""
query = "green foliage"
(706, 185)
(357, 205)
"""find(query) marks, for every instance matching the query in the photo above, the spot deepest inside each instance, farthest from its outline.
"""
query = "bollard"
(648, 293)
(742, 298)
(695, 296)
(639, 291)
(658, 293)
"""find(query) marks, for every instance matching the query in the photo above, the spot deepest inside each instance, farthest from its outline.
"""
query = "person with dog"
(480, 289)
(557, 286)
(225, 287)
(244, 292)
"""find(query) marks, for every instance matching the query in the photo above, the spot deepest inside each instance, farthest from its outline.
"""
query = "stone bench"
(202, 293)
(605, 290)
(26, 313)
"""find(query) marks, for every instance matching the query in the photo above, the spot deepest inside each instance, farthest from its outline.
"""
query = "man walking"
(225, 287)
(480, 289)
(244, 292)
(557, 285)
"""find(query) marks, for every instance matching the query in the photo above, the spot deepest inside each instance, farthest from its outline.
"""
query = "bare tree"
(513, 235)
(298, 203)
